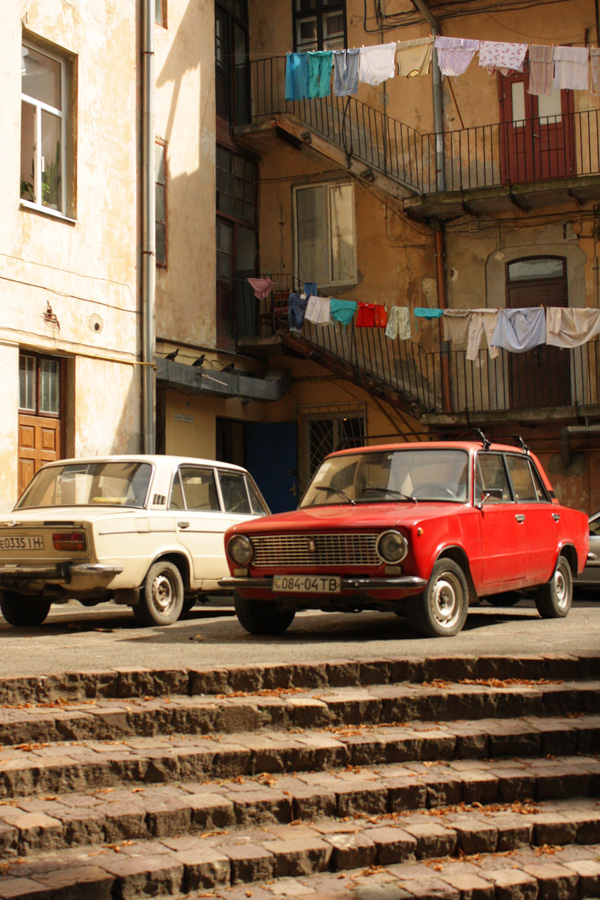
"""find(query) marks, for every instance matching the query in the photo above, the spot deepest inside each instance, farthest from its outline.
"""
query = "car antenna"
(521, 442)
(486, 443)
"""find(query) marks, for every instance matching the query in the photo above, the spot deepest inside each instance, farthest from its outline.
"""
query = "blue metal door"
(272, 459)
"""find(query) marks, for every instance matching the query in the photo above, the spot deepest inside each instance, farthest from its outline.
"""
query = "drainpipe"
(148, 228)
(436, 87)
(440, 262)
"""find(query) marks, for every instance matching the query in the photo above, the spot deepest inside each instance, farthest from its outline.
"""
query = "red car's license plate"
(307, 584)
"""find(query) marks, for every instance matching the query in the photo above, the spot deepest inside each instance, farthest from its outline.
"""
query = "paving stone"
(513, 884)
(144, 875)
(433, 840)
(21, 889)
(248, 862)
(88, 882)
(203, 867)
(393, 844)
(297, 856)
(555, 882)
(475, 837)
(351, 851)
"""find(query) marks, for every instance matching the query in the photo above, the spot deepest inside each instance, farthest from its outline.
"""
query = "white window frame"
(40, 107)
(330, 187)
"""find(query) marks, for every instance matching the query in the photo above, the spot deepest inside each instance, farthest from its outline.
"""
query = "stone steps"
(464, 778)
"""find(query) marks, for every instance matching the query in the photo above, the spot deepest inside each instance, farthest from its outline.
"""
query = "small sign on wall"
(179, 417)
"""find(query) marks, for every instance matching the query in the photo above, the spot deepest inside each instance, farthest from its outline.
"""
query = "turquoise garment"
(343, 310)
(296, 76)
(425, 313)
(320, 63)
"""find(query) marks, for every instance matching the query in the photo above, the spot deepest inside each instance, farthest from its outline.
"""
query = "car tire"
(22, 611)
(161, 598)
(262, 616)
(441, 610)
(553, 599)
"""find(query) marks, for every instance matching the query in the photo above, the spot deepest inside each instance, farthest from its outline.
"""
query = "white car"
(144, 531)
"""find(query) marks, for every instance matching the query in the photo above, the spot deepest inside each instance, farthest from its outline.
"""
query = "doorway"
(536, 133)
(541, 376)
(40, 436)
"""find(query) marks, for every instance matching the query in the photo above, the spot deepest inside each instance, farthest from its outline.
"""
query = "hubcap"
(562, 589)
(163, 595)
(446, 600)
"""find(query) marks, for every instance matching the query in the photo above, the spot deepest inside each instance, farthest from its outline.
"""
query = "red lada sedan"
(421, 529)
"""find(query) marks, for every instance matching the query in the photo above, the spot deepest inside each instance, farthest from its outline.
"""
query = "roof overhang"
(211, 382)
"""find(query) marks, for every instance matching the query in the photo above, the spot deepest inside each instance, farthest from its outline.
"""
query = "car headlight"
(392, 547)
(240, 549)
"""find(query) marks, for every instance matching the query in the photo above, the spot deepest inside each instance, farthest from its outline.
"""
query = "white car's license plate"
(307, 584)
(31, 542)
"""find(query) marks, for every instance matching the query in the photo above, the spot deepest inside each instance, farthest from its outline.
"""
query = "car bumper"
(348, 583)
(59, 573)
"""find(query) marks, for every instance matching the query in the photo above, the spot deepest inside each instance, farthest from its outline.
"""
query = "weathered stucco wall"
(185, 119)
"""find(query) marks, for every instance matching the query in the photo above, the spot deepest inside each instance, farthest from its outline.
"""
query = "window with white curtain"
(325, 234)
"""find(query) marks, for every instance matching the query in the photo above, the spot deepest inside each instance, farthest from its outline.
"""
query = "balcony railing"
(430, 379)
(484, 156)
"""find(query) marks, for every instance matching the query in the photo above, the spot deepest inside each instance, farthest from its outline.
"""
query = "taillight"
(69, 540)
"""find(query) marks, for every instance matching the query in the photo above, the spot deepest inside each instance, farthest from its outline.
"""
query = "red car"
(421, 529)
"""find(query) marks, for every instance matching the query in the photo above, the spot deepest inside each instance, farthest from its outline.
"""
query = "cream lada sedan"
(144, 531)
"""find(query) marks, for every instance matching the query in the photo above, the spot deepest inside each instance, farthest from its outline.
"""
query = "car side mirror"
(489, 494)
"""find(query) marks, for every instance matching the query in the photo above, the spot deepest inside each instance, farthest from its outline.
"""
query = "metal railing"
(529, 380)
(492, 155)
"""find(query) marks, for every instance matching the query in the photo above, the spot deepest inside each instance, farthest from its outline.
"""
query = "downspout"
(148, 228)
(440, 264)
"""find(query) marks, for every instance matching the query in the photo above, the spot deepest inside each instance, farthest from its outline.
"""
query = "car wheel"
(262, 616)
(508, 598)
(553, 599)
(442, 608)
(161, 599)
(19, 610)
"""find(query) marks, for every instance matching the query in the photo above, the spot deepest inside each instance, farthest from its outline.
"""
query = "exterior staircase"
(450, 777)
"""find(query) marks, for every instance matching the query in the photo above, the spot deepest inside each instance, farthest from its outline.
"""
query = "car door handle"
(520, 518)
(183, 524)
(556, 517)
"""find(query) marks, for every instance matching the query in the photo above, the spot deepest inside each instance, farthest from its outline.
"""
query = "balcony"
(439, 383)
(524, 165)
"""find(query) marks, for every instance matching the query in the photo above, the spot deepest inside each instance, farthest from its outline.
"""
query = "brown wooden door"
(541, 376)
(536, 133)
(40, 414)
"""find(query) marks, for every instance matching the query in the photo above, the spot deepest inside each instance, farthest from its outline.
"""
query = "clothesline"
(308, 74)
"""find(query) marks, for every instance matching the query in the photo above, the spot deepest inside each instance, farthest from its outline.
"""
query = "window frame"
(160, 143)
(162, 21)
(38, 360)
(62, 114)
(329, 186)
(319, 10)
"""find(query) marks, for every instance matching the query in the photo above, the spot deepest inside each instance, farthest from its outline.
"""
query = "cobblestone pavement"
(459, 776)
(74, 637)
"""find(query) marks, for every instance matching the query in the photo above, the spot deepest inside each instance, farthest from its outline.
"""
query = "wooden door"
(536, 133)
(40, 414)
(541, 376)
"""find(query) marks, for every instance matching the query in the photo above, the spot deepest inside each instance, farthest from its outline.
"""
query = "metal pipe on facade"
(148, 274)
(436, 87)
(440, 263)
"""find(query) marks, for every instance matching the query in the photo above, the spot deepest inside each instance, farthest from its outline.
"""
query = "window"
(325, 239)
(526, 485)
(160, 12)
(194, 488)
(43, 129)
(160, 191)
(236, 185)
(491, 477)
(39, 385)
(319, 25)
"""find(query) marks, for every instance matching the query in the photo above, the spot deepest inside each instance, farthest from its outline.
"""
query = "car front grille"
(291, 550)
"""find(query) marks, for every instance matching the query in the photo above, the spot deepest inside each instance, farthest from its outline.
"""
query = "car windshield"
(384, 476)
(85, 484)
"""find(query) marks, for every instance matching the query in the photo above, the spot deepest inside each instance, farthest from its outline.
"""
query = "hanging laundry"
(499, 55)
(571, 68)
(519, 330)
(595, 70)
(377, 64)
(371, 315)
(482, 321)
(296, 310)
(342, 310)
(454, 54)
(262, 287)
(414, 57)
(455, 325)
(345, 72)
(541, 69)
(320, 63)
(568, 327)
(296, 76)
(398, 325)
(310, 288)
(318, 310)
(424, 312)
